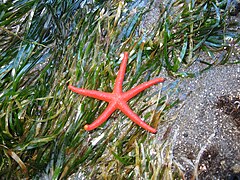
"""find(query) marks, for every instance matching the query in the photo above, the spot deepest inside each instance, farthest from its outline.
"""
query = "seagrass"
(45, 45)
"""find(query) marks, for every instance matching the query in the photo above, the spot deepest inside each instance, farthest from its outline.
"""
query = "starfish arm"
(134, 117)
(102, 118)
(134, 91)
(92, 93)
(120, 75)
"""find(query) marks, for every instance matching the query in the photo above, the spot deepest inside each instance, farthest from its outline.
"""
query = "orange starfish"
(118, 99)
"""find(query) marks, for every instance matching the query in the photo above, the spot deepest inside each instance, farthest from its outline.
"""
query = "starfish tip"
(86, 127)
(161, 79)
(154, 132)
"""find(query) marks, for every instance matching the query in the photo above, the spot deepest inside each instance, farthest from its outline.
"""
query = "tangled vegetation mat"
(47, 44)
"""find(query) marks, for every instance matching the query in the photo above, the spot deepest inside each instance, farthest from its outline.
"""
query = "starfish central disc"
(118, 99)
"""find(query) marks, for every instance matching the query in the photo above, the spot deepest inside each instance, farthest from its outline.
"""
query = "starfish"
(117, 99)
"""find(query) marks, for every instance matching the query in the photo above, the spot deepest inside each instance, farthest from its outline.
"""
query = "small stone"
(236, 168)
